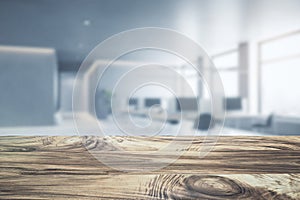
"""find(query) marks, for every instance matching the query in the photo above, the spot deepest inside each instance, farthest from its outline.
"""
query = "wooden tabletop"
(69, 168)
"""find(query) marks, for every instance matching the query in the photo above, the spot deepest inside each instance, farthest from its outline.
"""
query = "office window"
(227, 65)
(280, 70)
(282, 48)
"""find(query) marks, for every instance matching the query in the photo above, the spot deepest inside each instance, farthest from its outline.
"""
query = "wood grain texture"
(63, 168)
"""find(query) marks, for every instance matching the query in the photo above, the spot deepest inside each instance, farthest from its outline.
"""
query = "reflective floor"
(91, 126)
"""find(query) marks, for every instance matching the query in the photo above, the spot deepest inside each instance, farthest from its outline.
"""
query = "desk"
(244, 122)
(238, 168)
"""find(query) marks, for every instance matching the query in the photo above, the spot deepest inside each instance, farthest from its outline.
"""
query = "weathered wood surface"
(62, 168)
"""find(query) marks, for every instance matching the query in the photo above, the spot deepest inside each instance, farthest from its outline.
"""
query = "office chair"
(203, 122)
(173, 121)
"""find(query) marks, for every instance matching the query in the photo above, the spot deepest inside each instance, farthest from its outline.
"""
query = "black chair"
(203, 122)
(173, 121)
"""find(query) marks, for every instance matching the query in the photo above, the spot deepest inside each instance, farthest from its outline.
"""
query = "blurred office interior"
(254, 44)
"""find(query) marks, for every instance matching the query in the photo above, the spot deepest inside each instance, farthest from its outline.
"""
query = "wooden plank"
(63, 168)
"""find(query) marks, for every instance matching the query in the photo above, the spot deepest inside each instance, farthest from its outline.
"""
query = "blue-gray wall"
(28, 86)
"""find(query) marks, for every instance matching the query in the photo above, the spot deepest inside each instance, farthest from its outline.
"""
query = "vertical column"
(199, 82)
(243, 69)
(243, 66)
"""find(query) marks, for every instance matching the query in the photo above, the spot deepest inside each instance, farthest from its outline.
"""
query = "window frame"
(261, 62)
